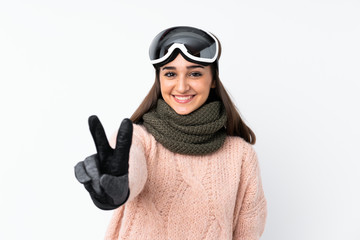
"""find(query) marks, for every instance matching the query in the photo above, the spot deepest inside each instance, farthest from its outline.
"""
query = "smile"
(183, 98)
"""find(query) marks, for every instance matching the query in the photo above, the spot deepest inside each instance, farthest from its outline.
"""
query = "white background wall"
(292, 68)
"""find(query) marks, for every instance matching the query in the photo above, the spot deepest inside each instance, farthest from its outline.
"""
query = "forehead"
(181, 62)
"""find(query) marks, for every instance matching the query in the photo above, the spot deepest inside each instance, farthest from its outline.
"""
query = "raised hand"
(112, 161)
(105, 174)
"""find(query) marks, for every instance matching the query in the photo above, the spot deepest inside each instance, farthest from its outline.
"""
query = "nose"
(182, 85)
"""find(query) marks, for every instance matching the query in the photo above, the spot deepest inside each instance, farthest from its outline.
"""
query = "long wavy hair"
(235, 126)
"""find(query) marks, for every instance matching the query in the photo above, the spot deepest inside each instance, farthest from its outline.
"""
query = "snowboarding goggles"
(196, 44)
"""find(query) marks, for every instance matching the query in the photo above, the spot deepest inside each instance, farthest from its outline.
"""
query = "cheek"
(203, 87)
(165, 87)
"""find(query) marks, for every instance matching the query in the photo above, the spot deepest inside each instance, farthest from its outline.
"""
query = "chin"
(183, 112)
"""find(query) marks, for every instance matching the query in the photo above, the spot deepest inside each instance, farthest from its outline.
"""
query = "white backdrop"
(292, 67)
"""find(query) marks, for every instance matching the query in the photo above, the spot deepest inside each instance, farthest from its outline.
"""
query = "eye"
(195, 74)
(169, 74)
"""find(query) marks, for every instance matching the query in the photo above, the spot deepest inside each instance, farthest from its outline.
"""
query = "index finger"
(98, 133)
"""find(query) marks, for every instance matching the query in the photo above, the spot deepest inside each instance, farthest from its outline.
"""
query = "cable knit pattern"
(218, 196)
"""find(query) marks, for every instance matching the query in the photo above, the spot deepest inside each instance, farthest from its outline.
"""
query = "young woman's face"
(185, 86)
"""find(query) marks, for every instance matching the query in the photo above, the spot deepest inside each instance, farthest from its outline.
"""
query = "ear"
(213, 84)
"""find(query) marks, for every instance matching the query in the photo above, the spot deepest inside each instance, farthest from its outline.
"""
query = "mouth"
(183, 98)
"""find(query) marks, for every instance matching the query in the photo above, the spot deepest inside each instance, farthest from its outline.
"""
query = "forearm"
(137, 169)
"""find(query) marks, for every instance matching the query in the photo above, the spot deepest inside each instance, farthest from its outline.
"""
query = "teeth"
(183, 98)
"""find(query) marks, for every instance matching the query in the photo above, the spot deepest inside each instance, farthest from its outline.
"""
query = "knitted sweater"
(172, 196)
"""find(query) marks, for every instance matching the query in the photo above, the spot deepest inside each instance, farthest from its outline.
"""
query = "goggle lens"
(195, 43)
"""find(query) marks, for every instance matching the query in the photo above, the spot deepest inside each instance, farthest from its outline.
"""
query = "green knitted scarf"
(198, 133)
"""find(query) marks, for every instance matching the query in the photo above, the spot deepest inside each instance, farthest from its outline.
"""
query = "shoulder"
(239, 144)
(139, 130)
(241, 149)
(142, 136)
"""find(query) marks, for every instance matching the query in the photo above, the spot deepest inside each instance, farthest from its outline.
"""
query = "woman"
(185, 169)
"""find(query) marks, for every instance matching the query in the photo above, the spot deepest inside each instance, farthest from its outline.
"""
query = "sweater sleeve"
(137, 162)
(251, 211)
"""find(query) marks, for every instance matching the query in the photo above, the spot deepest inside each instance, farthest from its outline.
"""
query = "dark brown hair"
(235, 126)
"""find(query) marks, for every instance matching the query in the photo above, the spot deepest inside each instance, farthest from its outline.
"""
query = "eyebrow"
(189, 67)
